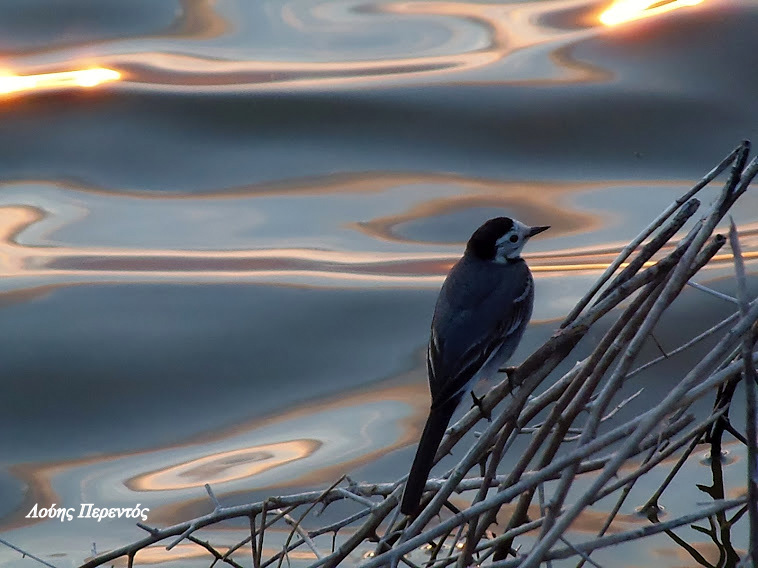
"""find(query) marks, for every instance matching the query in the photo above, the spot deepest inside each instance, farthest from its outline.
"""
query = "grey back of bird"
(470, 334)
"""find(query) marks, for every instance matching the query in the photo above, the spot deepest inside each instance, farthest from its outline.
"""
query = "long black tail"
(434, 430)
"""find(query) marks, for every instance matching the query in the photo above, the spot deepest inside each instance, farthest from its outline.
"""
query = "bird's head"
(501, 239)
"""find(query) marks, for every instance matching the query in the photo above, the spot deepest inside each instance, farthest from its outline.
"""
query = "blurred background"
(224, 224)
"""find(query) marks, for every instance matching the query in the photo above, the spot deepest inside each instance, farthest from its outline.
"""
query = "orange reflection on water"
(224, 466)
(297, 265)
(628, 10)
(11, 83)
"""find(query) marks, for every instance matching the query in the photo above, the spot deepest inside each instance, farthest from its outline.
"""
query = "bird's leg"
(478, 403)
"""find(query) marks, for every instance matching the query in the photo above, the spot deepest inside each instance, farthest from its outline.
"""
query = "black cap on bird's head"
(483, 243)
(501, 239)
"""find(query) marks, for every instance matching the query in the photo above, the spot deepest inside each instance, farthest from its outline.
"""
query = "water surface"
(221, 267)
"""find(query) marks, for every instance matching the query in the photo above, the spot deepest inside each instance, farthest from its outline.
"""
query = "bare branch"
(750, 377)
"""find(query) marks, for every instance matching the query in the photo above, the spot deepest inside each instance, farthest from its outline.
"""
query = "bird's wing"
(465, 336)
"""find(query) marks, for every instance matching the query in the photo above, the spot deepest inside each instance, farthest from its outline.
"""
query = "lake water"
(221, 267)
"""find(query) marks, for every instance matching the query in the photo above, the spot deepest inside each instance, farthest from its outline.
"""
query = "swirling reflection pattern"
(446, 37)
(49, 244)
(218, 266)
(224, 466)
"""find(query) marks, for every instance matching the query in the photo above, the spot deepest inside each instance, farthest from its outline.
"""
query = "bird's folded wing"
(447, 377)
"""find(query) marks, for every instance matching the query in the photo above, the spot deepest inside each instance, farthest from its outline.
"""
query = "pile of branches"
(634, 293)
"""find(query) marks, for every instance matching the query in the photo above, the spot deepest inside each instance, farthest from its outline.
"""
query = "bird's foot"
(478, 403)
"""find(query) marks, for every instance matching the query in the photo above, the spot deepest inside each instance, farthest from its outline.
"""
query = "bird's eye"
(514, 238)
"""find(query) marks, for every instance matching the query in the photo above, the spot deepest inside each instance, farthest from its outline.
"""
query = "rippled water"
(221, 268)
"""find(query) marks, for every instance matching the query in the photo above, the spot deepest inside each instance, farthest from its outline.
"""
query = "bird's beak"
(536, 230)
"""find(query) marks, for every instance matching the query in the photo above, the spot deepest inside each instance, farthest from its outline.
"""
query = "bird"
(480, 316)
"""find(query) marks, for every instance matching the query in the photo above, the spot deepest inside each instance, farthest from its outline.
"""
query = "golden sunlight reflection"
(224, 466)
(86, 78)
(628, 10)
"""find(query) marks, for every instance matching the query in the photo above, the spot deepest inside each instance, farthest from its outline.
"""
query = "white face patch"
(507, 247)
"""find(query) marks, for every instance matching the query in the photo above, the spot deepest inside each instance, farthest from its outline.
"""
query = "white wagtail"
(481, 313)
